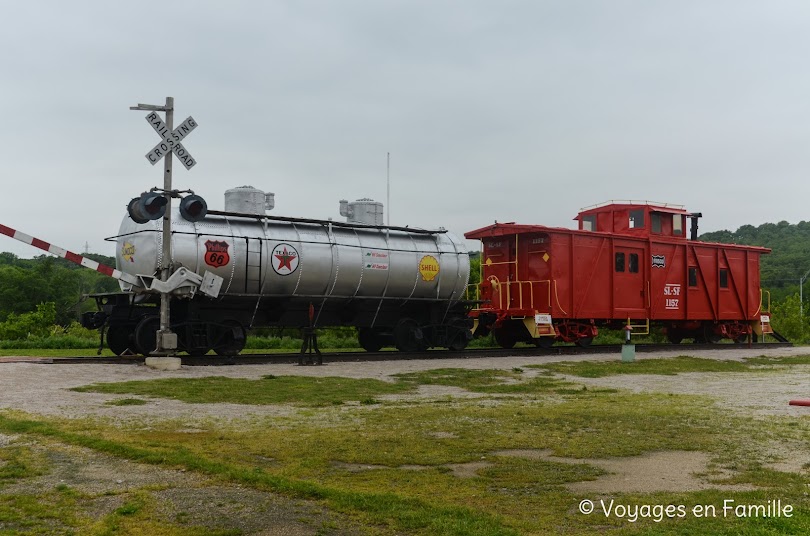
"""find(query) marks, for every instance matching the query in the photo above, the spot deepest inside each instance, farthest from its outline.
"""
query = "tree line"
(27, 283)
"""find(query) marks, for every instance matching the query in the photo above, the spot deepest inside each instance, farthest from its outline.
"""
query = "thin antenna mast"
(388, 187)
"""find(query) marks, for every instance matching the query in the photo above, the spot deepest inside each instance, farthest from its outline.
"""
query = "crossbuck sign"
(171, 140)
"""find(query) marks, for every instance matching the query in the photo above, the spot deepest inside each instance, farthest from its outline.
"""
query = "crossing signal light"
(193, 208)
(149, 206)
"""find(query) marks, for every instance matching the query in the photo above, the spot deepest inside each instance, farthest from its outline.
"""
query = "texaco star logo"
(284, 259)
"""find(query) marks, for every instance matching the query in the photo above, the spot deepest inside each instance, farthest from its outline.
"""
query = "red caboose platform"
(628, 263)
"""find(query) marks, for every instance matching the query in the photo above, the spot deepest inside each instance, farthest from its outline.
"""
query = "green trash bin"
(628, 353)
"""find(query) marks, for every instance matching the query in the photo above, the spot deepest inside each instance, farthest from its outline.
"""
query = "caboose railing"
(524, 294)
(764, 306)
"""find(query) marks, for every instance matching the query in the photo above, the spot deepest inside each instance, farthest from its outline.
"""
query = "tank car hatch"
(365, 210)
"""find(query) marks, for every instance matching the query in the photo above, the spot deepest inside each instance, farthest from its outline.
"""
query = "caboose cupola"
(634, 218)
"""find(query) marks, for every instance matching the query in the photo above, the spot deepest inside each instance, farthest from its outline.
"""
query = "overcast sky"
(519, 111)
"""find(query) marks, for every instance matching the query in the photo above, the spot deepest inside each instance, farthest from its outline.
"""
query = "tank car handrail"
(327, 222)
(217, 235)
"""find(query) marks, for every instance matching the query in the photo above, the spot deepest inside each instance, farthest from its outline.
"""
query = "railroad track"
(333, 357)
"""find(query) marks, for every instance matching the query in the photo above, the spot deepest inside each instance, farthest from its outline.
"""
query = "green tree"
(787, 319)
(27, 325)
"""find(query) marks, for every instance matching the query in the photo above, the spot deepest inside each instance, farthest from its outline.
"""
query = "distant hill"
(790, 256)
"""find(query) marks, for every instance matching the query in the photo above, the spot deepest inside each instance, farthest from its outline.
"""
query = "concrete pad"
(163, 363)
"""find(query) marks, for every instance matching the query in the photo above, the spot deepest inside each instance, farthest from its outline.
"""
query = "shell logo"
(429, 267)
(128, 252)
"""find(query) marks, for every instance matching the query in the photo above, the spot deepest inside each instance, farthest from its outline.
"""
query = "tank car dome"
(248, 200)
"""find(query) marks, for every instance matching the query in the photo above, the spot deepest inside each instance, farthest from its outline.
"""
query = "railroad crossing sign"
(171, 140)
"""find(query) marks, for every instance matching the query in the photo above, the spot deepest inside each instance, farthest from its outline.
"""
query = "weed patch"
(668, 367)
(268, 390)
(127, 402)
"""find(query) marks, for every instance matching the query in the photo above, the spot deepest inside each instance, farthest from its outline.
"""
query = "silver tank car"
(397, 285)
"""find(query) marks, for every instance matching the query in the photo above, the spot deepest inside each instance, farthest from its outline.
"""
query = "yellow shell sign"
(128, 252)
(429, 267)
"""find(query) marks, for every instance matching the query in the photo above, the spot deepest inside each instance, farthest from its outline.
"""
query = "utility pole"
(802, 279)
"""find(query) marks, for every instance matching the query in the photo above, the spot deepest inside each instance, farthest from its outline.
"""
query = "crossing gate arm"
(69, 255)
(182, 282)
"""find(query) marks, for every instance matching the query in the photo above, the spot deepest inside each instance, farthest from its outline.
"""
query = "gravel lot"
(44, 389)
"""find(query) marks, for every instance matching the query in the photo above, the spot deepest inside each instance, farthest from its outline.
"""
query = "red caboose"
(628, 263)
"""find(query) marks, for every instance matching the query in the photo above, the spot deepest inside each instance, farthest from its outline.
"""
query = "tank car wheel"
(742, 339)
(231, 340)
(460, 335)
(118, 339)
(408, 336)
(584, 342)
(369, 339)
(504, 337)
(544, 342)
(146, 335)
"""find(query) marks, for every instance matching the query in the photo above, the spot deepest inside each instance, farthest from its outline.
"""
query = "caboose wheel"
(674, 336)
(710, 336)
(584, 342)
(505, 337)
(544, 342)
(369, 339)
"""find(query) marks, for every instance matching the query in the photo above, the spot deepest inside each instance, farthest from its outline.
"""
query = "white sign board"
(171, 140)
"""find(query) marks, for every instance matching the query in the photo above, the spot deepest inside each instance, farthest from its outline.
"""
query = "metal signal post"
(166, 339)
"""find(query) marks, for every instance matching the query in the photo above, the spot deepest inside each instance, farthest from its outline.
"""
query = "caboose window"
(589, 223)
(677, 224)
(655, 222)
(633, 267)
(692, 276)
(620, 262)
(636, 219)
(723, 278)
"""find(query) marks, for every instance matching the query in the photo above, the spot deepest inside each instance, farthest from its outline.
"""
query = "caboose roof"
(511, 228)
(653, 206)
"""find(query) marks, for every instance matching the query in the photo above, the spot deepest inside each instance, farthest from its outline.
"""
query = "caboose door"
(629, 277)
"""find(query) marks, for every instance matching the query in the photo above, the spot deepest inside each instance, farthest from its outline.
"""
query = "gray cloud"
(516, 111)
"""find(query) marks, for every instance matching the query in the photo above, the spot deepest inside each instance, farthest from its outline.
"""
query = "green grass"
(267, 390)
(670, 366)
(320, 391)
(127, 402)
(785, 360)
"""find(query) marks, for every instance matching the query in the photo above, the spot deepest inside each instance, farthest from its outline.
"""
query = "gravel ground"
(44, 389)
